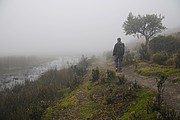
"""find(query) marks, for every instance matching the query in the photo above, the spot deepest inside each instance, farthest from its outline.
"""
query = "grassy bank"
(106, 98)
(154, 69)
(146, 69)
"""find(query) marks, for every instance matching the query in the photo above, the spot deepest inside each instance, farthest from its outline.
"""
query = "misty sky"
(31, 27)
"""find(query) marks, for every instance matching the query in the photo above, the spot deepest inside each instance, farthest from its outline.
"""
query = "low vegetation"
(162, 57)
(169, 44)
(29, 101)
(110, 97)
(139, 109)
(83, 91)
(154, 70)
(80, 92)
(162, 50)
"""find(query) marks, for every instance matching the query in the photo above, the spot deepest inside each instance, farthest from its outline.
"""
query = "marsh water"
(9, 80)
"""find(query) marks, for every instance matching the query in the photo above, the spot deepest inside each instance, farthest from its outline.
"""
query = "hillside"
(92, 90)
(108, 98)
(111, 96)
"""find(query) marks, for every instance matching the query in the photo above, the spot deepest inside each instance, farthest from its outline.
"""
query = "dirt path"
(171, 92)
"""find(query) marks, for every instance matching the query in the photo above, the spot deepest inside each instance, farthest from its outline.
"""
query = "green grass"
(154, 70)
(79, 104)
(139, 106)
(87, 109)
(68, 101)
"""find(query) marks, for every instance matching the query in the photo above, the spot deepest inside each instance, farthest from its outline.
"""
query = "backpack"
(120, 49)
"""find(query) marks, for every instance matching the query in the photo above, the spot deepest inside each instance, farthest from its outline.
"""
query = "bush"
(170, 61)
(160, 58)
(168, 44)
(177, 60)
(95, 74)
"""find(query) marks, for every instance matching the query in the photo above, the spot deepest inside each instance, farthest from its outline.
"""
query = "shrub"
(110, 74)
(177, 60)
(160, 57)
(168, 44)
(121, 79)
(170, 61)
(95, 74)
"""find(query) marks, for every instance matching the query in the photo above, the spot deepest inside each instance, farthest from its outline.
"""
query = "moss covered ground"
(105, 98)
(154, 69)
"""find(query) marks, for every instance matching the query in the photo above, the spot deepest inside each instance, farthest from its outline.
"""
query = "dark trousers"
(118, 62)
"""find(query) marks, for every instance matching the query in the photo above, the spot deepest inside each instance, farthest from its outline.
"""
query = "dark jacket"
(118, 49)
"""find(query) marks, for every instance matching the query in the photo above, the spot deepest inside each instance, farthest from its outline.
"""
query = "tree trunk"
(147, 42)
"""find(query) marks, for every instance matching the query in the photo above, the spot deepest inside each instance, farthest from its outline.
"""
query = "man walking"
(118, 53)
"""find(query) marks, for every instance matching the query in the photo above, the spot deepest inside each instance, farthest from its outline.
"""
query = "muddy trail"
(171, 91)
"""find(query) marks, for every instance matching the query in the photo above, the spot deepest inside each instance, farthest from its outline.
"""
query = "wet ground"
(9, 80)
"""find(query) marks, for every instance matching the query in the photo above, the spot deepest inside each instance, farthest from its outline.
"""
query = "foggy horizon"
(60, 27)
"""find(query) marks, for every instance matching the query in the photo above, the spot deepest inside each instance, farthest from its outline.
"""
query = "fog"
(34, 27)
